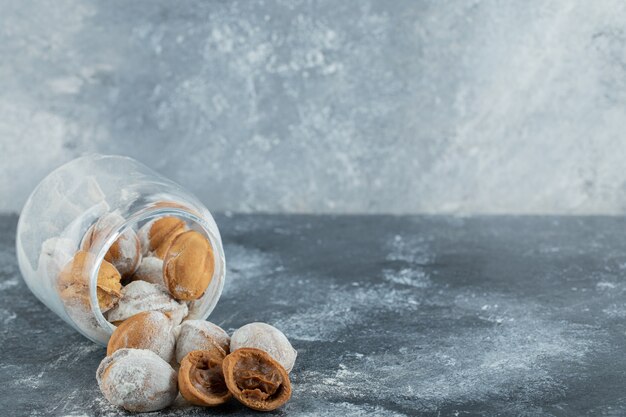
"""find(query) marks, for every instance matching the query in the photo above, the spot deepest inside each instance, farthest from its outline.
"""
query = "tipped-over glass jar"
(104, 237)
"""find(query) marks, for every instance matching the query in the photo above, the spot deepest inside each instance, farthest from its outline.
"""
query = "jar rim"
(147, 214)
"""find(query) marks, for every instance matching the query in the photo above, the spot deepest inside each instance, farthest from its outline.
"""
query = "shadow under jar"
(63, 261)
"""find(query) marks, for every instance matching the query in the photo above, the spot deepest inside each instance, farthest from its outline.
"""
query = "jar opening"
(198, 309)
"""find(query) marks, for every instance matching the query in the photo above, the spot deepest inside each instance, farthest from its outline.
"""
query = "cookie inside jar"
(165, 262)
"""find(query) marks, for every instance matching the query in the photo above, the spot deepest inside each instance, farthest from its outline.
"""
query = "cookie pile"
(146, 285)
(139, 372)
(164, 266)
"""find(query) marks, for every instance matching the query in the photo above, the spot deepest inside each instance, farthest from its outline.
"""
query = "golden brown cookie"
(157, 235)
(256, 380)
(201, 379)
(268, 338)
(73, 283)
(188, 266)
(150, 330)
(200, 335)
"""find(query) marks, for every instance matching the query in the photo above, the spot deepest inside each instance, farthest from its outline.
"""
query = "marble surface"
(391, 316)
(377, 106)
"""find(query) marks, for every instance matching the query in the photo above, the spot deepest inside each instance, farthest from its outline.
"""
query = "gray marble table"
(391, 316)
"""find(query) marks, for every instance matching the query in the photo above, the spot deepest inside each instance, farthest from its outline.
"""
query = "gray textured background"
(326, 106)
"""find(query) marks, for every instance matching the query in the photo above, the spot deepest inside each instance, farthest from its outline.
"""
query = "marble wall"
(326, 106)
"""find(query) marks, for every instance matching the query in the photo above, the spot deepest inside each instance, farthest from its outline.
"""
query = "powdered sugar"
(55, 252)
(150, 330)
(127, 255)
(199, 335)
(137, 379)
(265, 337)
(141, 296)
(150, 270)
(144, 237)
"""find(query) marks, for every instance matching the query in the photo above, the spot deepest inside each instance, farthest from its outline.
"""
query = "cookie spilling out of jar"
(148, 283)
(150, 360)
(164, 266)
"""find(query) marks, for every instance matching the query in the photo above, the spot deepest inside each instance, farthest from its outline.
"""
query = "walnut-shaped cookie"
(265, 337)
(256, 380)
(141, 296)
(73, 283)
(137, 380)
(151, 330)
(125, 253)
(188, 266)
(157, 235)
(201, 378)
(200, 335)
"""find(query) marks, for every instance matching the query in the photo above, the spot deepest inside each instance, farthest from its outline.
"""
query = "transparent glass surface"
(69, 201)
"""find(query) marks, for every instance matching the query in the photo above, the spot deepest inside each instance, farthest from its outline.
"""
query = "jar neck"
(137, 218)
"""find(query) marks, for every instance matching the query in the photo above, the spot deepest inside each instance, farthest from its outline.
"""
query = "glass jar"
(61, 211)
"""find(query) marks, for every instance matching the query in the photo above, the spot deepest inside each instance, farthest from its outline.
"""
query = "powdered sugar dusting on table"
(508, 342)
